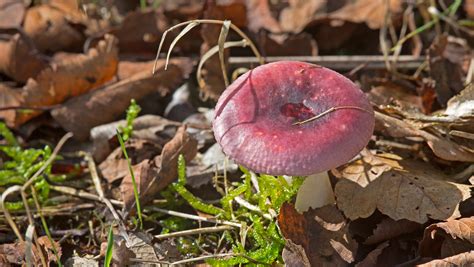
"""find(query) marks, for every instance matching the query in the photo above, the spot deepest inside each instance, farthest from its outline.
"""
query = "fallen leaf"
(115, 167)
(372, 258)
(447, 239)
(11, 13)
(445, 61)
(151, 128)
(9, 97)
(127, 69)
(389, 228)
(140, 32)
(15, 52)
(314, 230)
(294, 255)
(463, 259)
(111, 101)
(121, 254)
(369, 11)
(300, 13)
(71, 78)
(76, 261)
(46, 245)
(260, 17)
(442, 147)
(153, 175)
(53, 28)
(415, 193)
(15, 253)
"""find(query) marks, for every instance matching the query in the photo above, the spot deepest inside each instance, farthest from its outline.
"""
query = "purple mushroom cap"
(256, 115)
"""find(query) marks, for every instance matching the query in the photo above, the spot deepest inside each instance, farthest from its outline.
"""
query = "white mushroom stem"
(315, 192)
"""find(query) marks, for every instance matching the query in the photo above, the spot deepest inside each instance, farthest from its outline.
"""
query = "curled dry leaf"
(70, 78)
(140, 32)
(15, 53)
(389, 228)
(53, 27)
(463, 259)
(154, 175)
(449, 238)
(111, 101)
(15, 253)
(442, 147)
(323, 234)
(412, 192)
(11, 13)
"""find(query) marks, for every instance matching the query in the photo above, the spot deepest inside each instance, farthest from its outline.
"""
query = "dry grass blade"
(221, 43)
(175, 41)
(195, 23)
(8, 217)
(30, 232)
(210, 53)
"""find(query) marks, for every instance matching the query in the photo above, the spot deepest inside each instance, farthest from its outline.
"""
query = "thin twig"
(196, 231)
(203, 258)
(195, 217)
(329, 111)
(82, 194)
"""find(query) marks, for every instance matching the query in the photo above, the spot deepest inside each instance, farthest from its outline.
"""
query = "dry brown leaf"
(389, 228)
(463, 259)
(11, 13)
(415, 193)
(372, 12)
(53, 28)
(15, 53)
(260, 17)
(140, 32)
(153, 175)
(15, 253)
(70, 78)
(314, 231)
(372, 258)
(112, 101)
(46, 245)
(127, 69)
(442, 147)
(449, 238)
(9, 97)
(445, 60)
(299, 13)
(115, 167)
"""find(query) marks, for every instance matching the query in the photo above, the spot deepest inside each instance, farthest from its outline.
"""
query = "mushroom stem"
(315, 192)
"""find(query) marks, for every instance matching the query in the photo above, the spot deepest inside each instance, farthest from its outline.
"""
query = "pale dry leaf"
(322, 243)
(405, 192)
(372, 12)
(48, 247)
(299, 13)
(448, 238)
(294, 255)
(462, 104)
(463, 259)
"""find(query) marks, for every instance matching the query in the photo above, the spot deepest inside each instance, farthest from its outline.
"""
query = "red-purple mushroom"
(292, 118)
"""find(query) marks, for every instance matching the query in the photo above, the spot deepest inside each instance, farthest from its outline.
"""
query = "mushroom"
(294, 118)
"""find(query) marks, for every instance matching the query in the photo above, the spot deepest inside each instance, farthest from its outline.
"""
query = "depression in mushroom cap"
(256, 115)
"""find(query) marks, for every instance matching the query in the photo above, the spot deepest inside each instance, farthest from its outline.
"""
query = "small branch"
(327, 112)
(195, 217)
(197, 231)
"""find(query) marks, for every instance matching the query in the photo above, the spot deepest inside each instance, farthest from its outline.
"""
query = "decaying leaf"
(111, 101)
(11, 13)
(53, 27)
(372, 258)
(70, 78)
(9, 97)
(154, 175)
(441, 146)
(127, 69)
(323, 234)
(446, 59)
(150, 128)
(389, 228)
(121, 253)
(397, 189)
(449, 238)
(15, 253)
(15, 52)
(463, 259)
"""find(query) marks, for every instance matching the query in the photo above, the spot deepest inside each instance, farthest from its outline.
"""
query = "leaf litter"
(69, 67)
